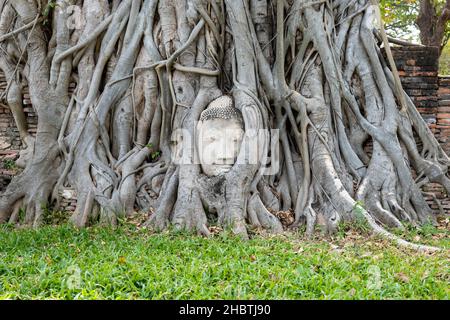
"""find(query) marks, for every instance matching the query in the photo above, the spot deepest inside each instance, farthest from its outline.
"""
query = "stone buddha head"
(219, 135)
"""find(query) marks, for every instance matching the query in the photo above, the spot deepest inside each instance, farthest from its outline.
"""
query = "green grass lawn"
(130, 263)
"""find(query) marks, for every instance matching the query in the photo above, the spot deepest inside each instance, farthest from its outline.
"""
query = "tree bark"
(432, 25)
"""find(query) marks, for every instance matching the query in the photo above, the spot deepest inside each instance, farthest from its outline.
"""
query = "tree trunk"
(146, 70)
(431, 25)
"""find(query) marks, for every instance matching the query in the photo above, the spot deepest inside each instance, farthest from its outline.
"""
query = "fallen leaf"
(299, 250)
(273, 277)
(348, 244)
(377, 257)
(402, 277)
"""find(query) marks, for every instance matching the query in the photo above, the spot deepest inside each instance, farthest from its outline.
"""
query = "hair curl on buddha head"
(221, 108)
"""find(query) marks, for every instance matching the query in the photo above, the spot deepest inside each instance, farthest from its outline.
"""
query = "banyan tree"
(223, 112)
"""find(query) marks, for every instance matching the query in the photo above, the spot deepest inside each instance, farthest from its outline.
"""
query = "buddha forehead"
(221, 128)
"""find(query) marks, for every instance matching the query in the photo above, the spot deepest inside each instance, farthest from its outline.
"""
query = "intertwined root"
(143, 69)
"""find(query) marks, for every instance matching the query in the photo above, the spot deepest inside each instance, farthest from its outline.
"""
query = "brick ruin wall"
(443, 114)
(443, 134)
(418, 69)
(9, 135)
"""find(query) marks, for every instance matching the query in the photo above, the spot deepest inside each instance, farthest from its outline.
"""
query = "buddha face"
(219, 136)
(219, 144)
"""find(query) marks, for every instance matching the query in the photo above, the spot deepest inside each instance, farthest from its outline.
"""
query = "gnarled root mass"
(144, 69)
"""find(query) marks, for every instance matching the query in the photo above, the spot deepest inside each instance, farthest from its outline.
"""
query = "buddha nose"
(225, 154)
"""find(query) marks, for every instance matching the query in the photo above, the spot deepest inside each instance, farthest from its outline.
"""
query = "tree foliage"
(401, 19)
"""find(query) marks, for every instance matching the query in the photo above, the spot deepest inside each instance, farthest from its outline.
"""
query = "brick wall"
(443, 135)
(418, 68)
(9, 135)
(443, 114)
